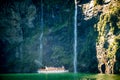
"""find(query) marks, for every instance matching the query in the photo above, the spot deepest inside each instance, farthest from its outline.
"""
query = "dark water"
(65, 76)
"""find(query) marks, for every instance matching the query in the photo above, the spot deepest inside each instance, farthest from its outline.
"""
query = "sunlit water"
(65, 76)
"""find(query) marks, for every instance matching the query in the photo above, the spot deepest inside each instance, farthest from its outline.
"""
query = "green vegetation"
(108, 28)
(20, 29)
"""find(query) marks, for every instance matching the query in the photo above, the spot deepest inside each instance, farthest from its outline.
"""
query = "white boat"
(52, 70)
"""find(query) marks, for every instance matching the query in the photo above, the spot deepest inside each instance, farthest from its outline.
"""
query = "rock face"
(18, 39)
(108, 41)
(98, 35)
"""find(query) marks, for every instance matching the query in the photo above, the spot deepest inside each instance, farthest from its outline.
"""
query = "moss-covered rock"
(20, 30)
(108, 39)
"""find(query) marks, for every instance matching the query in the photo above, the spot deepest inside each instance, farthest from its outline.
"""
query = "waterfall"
(75, 38)
(41, 35)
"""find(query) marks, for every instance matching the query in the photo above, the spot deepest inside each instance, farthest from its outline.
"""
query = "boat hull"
(65, 71)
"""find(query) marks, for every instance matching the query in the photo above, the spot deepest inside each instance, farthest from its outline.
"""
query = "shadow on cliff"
(117, 63)
(87, 36)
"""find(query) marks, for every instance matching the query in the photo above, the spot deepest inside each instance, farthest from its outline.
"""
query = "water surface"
(65, 76)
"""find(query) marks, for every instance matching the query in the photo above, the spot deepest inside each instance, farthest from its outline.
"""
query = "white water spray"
(75, 38)
(41, 35)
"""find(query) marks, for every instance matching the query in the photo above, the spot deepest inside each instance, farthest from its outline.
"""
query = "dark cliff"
(98, 35)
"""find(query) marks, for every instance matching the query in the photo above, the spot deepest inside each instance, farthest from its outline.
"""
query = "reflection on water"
(107, 77)
(66, 76)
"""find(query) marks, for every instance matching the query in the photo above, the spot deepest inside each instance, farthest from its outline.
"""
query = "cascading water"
(75, 38)
(41, 35)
